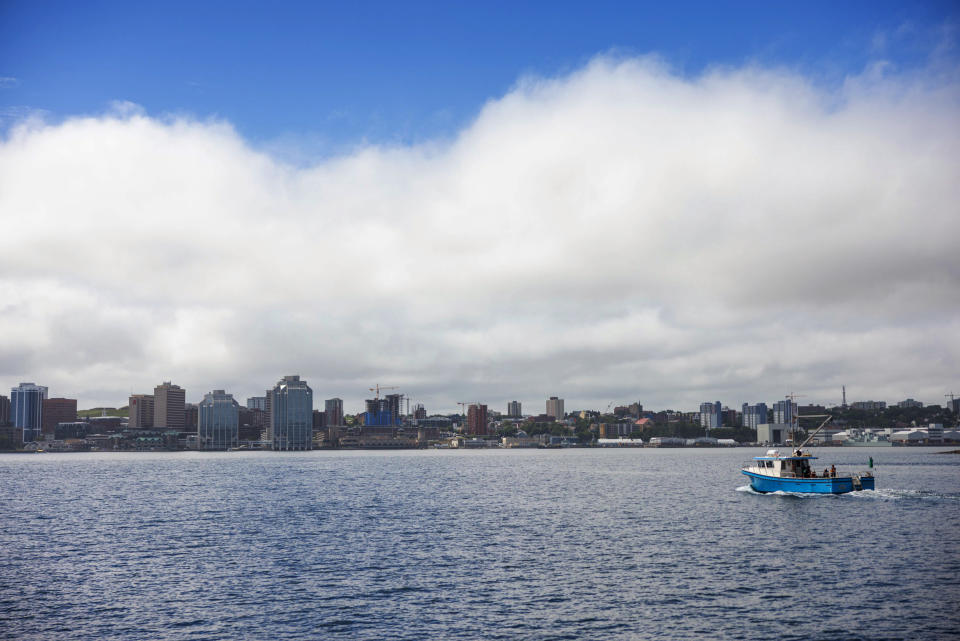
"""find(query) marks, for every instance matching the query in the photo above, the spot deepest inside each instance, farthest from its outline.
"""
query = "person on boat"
(833, 470)
(826, 473)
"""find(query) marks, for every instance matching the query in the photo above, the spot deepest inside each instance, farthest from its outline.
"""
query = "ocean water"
(520, 544)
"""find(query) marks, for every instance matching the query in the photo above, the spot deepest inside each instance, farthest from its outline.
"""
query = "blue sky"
(331, 75)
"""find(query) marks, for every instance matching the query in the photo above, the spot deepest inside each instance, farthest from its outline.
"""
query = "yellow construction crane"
(380, 387)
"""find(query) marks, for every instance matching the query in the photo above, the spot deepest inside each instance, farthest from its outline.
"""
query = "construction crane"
(380, 387)
(463, 405)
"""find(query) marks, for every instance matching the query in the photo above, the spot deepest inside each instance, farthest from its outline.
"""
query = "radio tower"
(844, 388)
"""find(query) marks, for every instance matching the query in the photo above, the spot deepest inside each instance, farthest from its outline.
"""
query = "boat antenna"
(794, 418)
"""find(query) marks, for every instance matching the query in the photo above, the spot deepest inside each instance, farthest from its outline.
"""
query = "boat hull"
(836, 485)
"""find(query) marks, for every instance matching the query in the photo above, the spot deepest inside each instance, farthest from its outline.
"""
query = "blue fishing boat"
(774, 472)
(794, 473)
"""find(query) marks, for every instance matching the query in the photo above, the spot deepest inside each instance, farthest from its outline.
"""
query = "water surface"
(532, 544)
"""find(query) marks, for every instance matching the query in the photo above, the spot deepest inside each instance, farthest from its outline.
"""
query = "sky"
(608, 203)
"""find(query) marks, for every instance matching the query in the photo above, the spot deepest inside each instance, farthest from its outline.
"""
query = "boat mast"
(826, 419)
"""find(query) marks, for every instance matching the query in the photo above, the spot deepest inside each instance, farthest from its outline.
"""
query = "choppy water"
(574, 544)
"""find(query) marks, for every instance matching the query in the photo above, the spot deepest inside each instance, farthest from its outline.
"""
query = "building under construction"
(386, 411)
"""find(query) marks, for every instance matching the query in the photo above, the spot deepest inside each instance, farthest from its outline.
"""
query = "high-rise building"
(382, 412)
(513, 409)
(58, 410)
(419, 412)
(477, 420)
(169, 402)
(141, 411)
(191, 417)
(555, 408)
(217, 421)
(395, 407)
(730, 417)
(257, 403)
(333, 408)
(268, 411)
(291, 414)
(954, 405)
(26, 409)
(754, 415)
(711, 415)
(784, 412)
(4, 410)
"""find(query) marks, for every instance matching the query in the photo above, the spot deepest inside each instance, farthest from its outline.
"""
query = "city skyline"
(326, 403)
(606, 212)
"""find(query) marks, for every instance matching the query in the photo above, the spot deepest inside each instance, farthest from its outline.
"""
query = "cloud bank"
(620, 233)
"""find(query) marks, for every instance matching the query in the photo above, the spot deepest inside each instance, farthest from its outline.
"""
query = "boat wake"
(891, 494)
(886, 494)
(799, 495)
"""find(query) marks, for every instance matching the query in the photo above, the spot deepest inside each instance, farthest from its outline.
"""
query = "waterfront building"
(169, 402)
(954, 405)
(105, 424)
(333, 408)
(711, 415)
(442, 423)
(754, 415)
(57, 410)
(477, 420)
(141, 411)
(4, 410)
(909, 403)
(555, 408)
(71, 429)
(257, 403)
(319, 420)
(773, 433)
(26, 410)
(218, 418)
(784, 412)
(419, 412)
(291, 414)
(614, 430)
(513, 409)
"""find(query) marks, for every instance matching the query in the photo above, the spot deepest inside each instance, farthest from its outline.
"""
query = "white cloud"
(617, 233)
